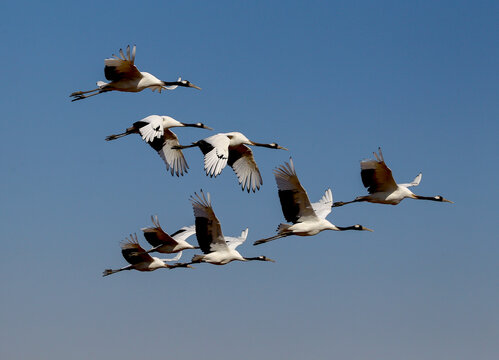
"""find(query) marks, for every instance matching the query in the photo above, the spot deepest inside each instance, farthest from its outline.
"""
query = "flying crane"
(231, 148)
(154, 130)
(125, 76)
(382, 188)
(308, 218)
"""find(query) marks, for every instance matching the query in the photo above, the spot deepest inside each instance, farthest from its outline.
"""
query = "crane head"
(202, 126)
(360, 228)
(442, 199)
(276, 146)
(187, 83)
(264, 258)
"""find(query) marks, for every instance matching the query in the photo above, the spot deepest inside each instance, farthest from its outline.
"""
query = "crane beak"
(267, 259)
(207, 127)
(364, 228)
(282, 147)
(445, 200)
(194, 86)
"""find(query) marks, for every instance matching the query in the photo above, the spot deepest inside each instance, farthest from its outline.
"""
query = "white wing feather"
(173, 158)
(323, 207)
(216, 160)
(414, 182)
(234, 242)
(245, 167)
(154, 128)
(176, 258)
(184, 235)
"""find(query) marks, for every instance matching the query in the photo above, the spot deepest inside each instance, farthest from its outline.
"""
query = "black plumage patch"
(140, 124)
(233, 157)
(134, 256)
(204, 234)
(367, 176)
(111, 73)
(152, 238)
(290, 207)
(204, 146)
(157, 143)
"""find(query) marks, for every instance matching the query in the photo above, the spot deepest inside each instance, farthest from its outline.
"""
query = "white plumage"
(167, 244)
(231, 148)
(382, 188)
(125, 76)
(154, 130)
(140, 260)
(217, 249)
(307, 219)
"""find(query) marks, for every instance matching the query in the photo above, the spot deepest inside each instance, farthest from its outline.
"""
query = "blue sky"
(331, 81)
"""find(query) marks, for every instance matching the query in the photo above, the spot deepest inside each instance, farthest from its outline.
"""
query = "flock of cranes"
(232, 148)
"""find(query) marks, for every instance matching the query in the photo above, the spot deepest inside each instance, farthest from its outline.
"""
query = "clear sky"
(329, 80)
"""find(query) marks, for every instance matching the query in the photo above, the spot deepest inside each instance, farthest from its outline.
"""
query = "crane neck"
(343, 228)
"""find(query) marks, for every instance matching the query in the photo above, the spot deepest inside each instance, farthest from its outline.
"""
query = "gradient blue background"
(331, 81)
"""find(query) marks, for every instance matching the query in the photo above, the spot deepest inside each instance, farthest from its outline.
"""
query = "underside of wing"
(156, 236)
(234, 242)
(119, 68)
(151, 128)
(216, 153)
(184, 233)
(242, 162)
(173, 158)
(295, 203)
(414, 182)
(376, 176)
(208, 228)
(323, 207)
(133, 252)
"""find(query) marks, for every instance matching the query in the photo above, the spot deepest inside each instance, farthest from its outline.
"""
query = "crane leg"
(81, 97)
(78, 93)
(275, 237)
(341, 203)
(111, 271)
(186, 265)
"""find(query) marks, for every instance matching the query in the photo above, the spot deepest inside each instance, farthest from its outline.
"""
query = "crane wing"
(376, 176)
(322, 208)
(184, 233)
(173, 158)
(133, 252)
(414, 182)
(242, 162)
(120, 68)
(208, 229)
(156, 236)
(295, 203)
(234, 242)
(176, 258)
(150, 127)
(216, 153)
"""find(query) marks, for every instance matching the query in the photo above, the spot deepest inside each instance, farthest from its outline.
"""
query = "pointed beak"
(194, 86)
(282, 148)
(364, 228)
(207, 127)
(267, 259)
(445, 200)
